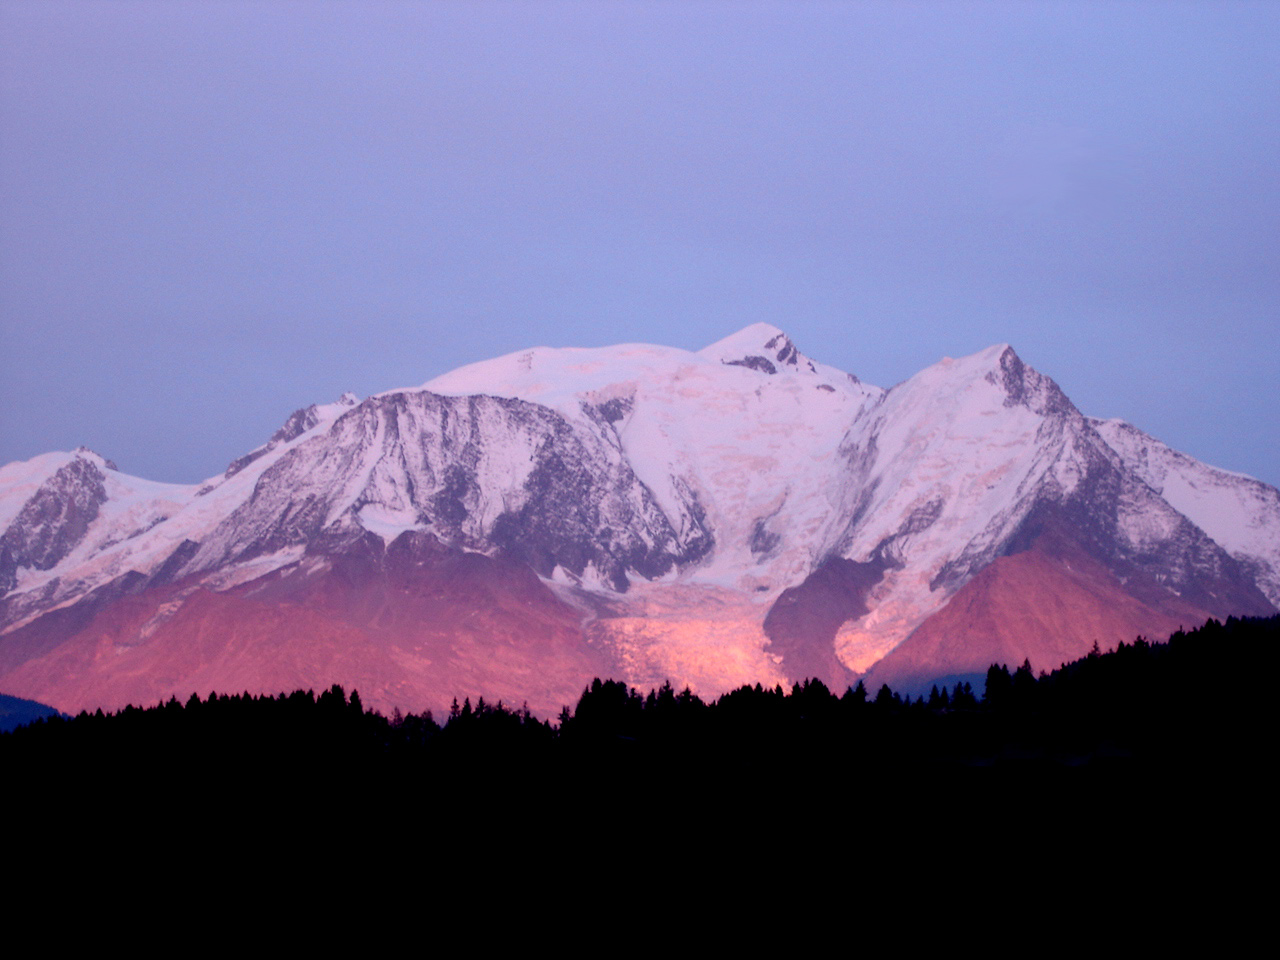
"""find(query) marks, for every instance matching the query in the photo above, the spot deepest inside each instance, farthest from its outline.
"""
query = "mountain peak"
(994, 357)
(1023, 385)
(1015, 383)
(761, 347)
(999, 350)
(84, 453)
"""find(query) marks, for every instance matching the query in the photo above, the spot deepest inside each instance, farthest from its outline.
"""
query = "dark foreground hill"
(15, 711)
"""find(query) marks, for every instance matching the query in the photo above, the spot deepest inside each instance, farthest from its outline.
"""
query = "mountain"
(736, 515)
(16, 712)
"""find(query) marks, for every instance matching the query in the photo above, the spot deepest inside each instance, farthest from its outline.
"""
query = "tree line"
(1145, 703)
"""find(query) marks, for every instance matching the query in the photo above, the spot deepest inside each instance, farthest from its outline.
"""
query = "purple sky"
(214, 213)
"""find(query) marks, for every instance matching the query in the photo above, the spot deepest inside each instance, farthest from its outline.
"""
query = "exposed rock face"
(754, 363)
(515, 527)
(481, 473)
(1240, 513)
(53, 521)
(803, 621)
(299, 422)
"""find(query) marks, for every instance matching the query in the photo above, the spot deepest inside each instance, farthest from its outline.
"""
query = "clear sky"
(214, 213)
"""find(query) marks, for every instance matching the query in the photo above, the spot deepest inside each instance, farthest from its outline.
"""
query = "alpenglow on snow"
(734, 515)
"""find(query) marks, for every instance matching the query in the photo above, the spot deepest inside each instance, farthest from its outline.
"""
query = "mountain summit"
(761, 347)
(737, 514)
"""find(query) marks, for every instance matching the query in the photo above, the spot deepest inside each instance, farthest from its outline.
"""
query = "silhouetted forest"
(1143, 760)
(1165, 705)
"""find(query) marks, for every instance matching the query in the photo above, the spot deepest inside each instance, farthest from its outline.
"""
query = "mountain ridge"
(741, 513)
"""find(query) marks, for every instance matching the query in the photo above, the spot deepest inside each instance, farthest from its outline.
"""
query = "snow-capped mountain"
(738, 514)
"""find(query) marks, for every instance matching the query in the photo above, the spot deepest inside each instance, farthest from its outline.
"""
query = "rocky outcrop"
(53, 521)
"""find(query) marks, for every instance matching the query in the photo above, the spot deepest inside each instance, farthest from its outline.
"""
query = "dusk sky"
(214, 213)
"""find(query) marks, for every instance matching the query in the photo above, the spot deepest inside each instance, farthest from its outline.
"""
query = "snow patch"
(388, 523)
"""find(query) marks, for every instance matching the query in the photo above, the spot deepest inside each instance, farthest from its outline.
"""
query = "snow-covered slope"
(1240, 513)
(64, 512)
(479, 472)
(734, 514)
(950, 464)
(72, 523)
(972, 459)
(747, 432)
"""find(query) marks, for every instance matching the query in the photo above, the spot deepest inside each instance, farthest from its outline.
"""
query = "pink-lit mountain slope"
(733, 515)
